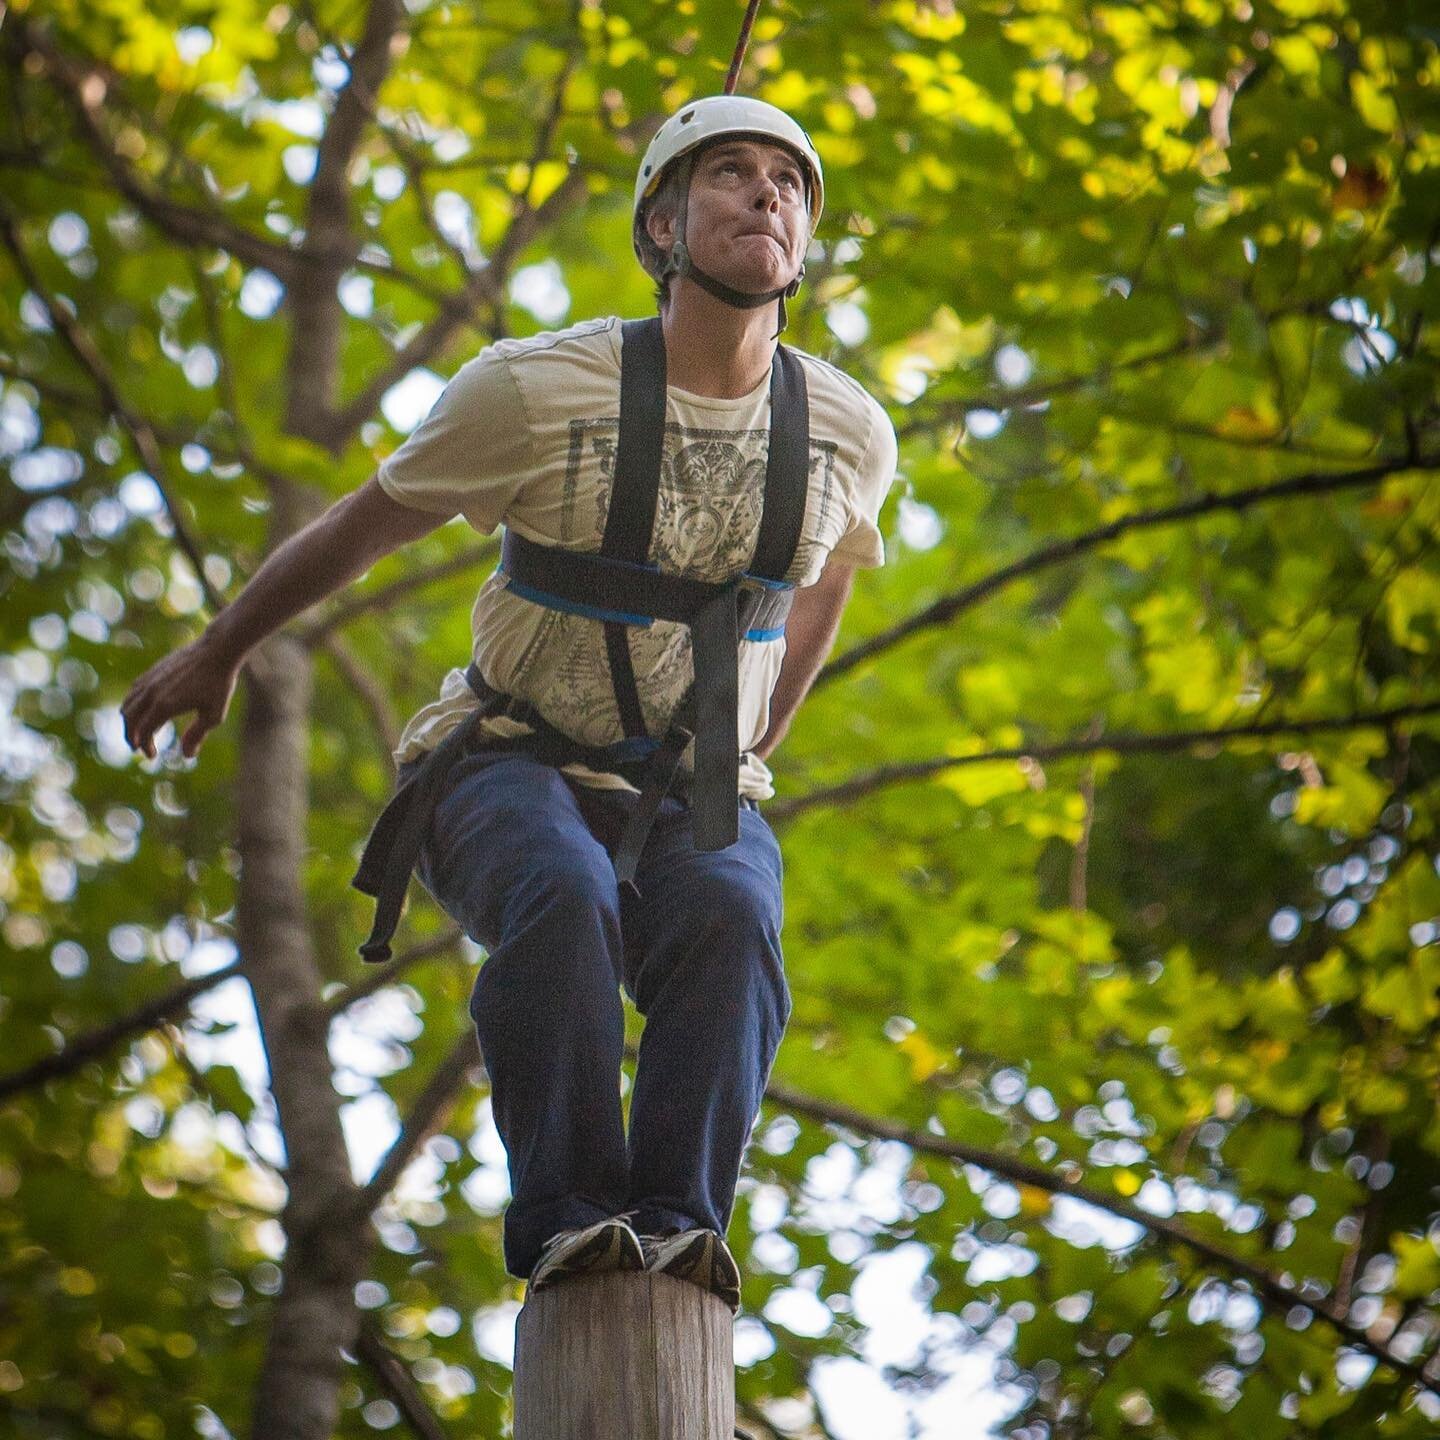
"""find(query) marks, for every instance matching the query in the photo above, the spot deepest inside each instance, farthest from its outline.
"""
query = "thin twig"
(394, 1378)
(427, 1115)
(78, 340)
(1120, 744)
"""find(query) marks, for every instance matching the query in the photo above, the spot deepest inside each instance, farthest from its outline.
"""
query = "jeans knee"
(735, 930)
(559, 936)
(734, 897)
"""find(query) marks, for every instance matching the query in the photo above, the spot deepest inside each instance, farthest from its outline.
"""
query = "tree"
(1112, 897)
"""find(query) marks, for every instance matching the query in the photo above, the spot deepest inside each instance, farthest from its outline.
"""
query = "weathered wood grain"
(624, 1356)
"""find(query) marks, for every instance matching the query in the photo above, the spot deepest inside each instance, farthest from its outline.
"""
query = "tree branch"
(1279, 442)
(83, 88)
(61, 394)
(1277, 1295)
(167, 1006)
(426, 1116)
(377, 977)
(183, 433)
(456, 311)
(95, 1043)
(1210, 502)
(1026, 395)
(330, 244)
(481, 286)
(372, 695)
(395, 1379)
(1121, 744)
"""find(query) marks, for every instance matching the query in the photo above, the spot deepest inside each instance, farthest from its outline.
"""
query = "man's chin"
(752, 280)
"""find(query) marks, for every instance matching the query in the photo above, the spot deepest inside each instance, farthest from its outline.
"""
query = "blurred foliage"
(1099, 260)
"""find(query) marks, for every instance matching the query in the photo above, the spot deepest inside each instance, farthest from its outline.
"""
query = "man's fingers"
(134, 711)
(142, 729)
(142, 723)
(174, 687)
(200, 727)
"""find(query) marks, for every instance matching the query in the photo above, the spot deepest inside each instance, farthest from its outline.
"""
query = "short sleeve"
(861, 544)
(471, 453)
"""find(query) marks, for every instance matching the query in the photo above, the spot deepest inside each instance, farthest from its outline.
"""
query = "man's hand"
(198, 677)
(328, 553)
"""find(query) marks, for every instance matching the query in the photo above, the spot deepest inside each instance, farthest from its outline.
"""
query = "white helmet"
(704, 120)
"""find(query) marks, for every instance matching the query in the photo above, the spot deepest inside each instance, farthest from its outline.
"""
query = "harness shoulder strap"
(634, 489)
(787, 470)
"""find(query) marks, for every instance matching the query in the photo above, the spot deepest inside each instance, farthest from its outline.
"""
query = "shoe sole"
(612, 1246)
(700, 1257)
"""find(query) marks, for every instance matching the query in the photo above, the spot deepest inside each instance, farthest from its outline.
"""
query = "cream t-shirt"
(525, 435)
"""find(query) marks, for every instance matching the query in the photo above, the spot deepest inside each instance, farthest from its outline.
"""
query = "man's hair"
(666, 201)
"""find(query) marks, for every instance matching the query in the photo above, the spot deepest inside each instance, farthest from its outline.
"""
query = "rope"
(740, 44)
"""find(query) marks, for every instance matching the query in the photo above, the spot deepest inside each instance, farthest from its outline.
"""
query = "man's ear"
(660, 226)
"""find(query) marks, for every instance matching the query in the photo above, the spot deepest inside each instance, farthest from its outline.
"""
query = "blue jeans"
(519, 857)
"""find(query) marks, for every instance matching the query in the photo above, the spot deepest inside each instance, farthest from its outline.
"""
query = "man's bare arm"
(809, 633)
(329, 553)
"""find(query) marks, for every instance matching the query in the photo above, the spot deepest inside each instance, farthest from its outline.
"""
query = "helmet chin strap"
(680, 265)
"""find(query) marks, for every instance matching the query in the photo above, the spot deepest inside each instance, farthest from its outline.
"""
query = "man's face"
(748, 223)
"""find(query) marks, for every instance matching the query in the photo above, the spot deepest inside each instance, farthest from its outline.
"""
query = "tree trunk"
(625, 1356)
(327, 1241)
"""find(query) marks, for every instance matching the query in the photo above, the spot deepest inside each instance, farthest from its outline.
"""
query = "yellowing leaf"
(74, 1280)
(924, 1058)
(1034, 1201)
(1418, 1270)
(1297, 54)
(979, 784)
(1375, 107)
(1381, 1095)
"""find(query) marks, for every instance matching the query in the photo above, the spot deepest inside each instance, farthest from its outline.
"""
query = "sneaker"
(699, 1256)
(606, 1245)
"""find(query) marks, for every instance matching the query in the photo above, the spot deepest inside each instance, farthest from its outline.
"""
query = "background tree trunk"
(326, 1254)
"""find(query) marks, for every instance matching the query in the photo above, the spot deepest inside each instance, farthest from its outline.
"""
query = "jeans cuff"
(658, 1220)
(525, 1235)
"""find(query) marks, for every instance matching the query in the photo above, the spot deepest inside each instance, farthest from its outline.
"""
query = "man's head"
(738, 185)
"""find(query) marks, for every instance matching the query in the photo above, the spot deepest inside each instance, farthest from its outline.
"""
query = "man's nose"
(768, 196)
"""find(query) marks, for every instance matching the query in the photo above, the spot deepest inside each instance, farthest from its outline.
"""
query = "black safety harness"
(621, 588)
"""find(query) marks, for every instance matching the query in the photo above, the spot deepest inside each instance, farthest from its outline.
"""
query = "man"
(674, 571)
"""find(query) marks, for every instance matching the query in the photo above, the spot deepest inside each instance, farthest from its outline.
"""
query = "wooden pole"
(624, 1356)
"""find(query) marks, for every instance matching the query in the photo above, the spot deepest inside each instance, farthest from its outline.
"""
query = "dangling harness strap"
(619, 587)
